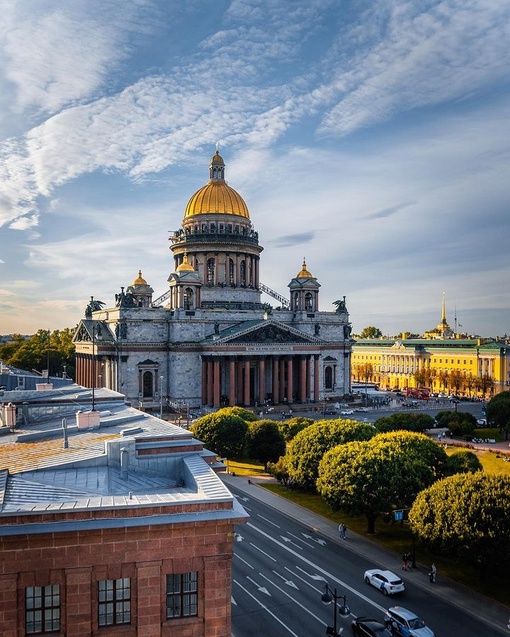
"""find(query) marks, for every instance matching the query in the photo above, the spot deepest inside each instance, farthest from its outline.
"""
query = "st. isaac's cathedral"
(210, 340)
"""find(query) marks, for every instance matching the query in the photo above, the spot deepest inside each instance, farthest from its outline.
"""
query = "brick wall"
(78, 560)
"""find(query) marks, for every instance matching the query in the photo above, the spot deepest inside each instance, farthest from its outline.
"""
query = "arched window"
(242, 270)
(328, 378)
(231, 272)
(188, 298)
(147, 385)
(210, 271)
(296, 300)
(308, 301)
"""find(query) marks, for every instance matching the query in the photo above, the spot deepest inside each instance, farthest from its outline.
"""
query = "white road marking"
(240, 558)
(263, 552)
(269, 521)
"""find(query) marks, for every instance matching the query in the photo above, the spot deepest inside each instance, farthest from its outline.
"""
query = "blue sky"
(370, 137)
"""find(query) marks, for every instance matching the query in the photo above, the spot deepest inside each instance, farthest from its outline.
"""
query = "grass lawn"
(396, 536)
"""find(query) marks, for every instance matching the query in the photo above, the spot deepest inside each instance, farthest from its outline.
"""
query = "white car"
(363, 409)
(346, 412)
(404, 622)
(386, 581)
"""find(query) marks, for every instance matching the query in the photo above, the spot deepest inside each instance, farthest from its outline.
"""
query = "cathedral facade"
(210, 340)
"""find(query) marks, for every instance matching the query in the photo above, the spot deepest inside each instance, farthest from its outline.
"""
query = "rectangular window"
(114, 597)
(42, 609)
(182, 595)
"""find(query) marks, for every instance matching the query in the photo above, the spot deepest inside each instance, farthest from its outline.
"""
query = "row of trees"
(455, 380)
(235, 432)
(44, 350)
(375, 470)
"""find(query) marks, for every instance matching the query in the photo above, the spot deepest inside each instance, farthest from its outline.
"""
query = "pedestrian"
(404, 562)
(342, 530)
(432, 573)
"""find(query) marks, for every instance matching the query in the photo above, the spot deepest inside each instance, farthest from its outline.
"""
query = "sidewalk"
(494, 614)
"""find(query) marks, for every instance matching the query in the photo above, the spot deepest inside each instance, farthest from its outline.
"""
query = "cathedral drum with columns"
(209, 340)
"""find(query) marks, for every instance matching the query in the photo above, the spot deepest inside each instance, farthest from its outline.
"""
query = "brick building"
(112, 522)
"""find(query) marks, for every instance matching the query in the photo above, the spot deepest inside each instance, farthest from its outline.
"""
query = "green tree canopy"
(223, 433)
(307, 448)
(370, 478)
(421, 449)
(466, 516)
(43, 350)
(265, 442)
(246, 414)
(404, 421)
(498, 411)
(370, 332)
(290, 428)
(460, 423)
(463, 461)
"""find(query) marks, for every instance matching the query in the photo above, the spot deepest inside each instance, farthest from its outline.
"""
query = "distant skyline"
(369, 138)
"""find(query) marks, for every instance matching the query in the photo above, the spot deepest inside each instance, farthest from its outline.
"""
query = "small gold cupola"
(185, 266)
(304, 274)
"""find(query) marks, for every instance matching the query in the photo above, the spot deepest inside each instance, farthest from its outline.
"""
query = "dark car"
(329, 411)
(366, 627)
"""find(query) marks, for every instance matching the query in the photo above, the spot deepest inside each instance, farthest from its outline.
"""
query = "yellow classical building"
(468, 367)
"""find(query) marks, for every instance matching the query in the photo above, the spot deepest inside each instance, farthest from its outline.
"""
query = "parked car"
(367, 627)
(346, 412)
(482, 422)
(385, 581)
(404, 622)
(328, 411)
(363, 409)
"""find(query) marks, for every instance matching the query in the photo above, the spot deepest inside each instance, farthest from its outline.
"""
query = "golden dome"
(185, 266)
(304, 274)
(140, 280)
(216, 197)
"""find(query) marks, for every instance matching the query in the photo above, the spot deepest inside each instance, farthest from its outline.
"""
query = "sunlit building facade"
(468, 367)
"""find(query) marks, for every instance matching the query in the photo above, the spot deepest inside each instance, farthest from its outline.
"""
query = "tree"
(246, 414)
(370, 332)
(463, 461)
(290, 428)
(404, 421)
(43, 350)
(421, 449)
(307, 448)
(466, 516)
(498, 412)
(265, 442)
(444, 378)
(460, 423)
(223, 433)
(456, 380)
(279, 471)
(369, 478)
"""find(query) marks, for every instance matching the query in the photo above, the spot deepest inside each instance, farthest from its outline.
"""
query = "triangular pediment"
(269, 333)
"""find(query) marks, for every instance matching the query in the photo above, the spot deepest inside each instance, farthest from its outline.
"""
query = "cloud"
(56, 55)
(292, 240)
(418, 56)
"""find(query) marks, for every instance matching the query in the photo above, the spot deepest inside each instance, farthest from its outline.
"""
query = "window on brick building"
(42, 609)
(182, 595)
(114, 601)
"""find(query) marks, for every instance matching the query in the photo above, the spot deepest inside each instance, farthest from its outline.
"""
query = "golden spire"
(304, 274)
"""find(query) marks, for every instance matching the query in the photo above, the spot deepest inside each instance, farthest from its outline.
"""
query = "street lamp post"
(161, 397)
(93, 368)
(344, 611)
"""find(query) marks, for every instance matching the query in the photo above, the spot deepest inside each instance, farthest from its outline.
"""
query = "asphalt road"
(281, 566)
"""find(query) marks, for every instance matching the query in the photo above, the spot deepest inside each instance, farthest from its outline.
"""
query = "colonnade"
(95, 373)
(249, 380)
